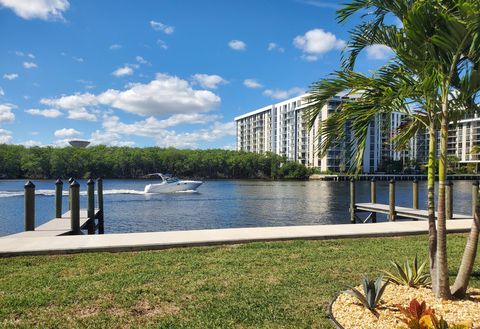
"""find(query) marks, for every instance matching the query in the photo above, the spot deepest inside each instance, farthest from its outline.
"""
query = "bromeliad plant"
(419, 316)
(411, 275)
(372, 292)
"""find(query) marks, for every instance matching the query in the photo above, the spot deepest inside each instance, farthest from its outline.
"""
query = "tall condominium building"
(463, 138)
(280, 128)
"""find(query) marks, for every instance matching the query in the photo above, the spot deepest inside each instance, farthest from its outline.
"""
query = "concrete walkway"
(28, 245)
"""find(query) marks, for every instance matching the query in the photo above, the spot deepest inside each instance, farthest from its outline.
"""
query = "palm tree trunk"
(466, 267)
(442, 288)
(432, 229)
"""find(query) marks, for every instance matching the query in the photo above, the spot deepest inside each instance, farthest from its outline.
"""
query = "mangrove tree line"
(127, 162)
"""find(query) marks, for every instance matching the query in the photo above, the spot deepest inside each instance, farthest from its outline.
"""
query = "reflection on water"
(218, 204)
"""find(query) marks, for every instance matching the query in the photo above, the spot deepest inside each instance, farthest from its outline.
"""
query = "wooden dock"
(387, 177)
(401, 212)
(395, 212)
(57, 226)
(74, 220)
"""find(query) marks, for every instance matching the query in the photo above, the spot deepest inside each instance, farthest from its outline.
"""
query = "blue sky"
(166, 73)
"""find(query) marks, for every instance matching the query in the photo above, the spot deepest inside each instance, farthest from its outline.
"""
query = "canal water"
(217, 204)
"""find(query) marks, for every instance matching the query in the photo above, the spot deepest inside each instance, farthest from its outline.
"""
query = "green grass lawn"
(268, 285)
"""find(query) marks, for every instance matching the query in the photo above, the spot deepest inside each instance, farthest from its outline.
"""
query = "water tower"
(79, 143)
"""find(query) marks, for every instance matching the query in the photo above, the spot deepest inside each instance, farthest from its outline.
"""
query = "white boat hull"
(179, 186)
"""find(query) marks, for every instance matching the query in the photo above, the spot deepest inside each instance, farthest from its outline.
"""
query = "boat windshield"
(172, 179)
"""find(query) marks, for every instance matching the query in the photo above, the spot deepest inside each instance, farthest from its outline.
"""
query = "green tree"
(432, 79)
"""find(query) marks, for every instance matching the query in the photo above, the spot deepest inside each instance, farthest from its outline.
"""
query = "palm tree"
(435, 50)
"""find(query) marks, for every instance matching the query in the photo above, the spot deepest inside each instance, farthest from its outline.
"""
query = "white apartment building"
(280, 128)
(463, 137)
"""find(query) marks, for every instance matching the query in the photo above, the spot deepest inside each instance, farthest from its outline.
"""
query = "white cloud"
(379, 52)
(2, 93)
(43, 9)
(123, 71)
(71, 102)
(158, 26)
(316, 42)
(151, 126)
(29, 65)
(272, 46)
(321, 4)
(162, 44)
(283, 94)
(67, 133)
(208, 81)
(109, 138)
(48, 113)
(78, 59)
(81, 114)
(252, 83)
(30, 143)
(164, 95)
(310, 58)
(5, 136)
(141, 60)
(191, 139)
(115, 46)
(237, 45)
(10, 76)
(18, 52)
(75, 104)
(32, 56)
(114, 129)
(6, 114)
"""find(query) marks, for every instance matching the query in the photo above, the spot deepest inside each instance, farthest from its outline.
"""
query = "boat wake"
(10, 194)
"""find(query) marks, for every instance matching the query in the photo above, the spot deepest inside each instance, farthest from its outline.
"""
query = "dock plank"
(54, 227)
(402, 211)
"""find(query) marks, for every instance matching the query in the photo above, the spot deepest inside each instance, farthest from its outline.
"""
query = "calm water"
(217, 204)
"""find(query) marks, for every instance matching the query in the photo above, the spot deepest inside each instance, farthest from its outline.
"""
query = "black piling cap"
(475, 183)
(29, 184)
(415, 180)
(450, 183)
(373, 179)
(74, 183)
(90, 182)
(71, 179)
(392, 181)
(59, 182)
(99, 179)
(352, 179)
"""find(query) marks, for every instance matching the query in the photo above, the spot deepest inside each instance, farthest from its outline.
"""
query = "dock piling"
(391, 194)
(74, 196)
(58, 198)
(91, 206)
(449, 199)
(29, 206)
(415, 194)
(352, 200)
(474, 196)
(70, 181)
(373, 198)
(101, 227)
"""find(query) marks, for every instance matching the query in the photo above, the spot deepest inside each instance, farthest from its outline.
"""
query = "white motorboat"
(171, 184)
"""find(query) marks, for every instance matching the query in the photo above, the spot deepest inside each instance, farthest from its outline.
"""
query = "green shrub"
(409, 274)
(372, 292)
